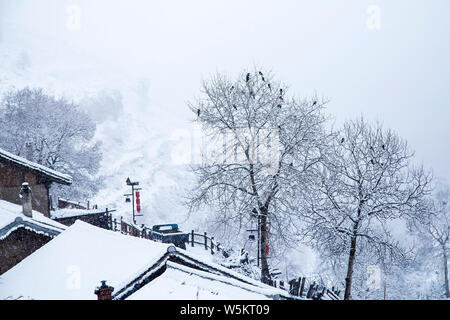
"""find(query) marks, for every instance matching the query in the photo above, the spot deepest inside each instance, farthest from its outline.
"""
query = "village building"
(25, 225)
(21, 235)
(15, 170)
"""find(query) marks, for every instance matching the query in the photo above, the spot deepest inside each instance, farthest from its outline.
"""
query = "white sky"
(399, 74)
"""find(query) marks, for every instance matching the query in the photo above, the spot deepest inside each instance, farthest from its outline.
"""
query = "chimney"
(104, 292)
(29, 151)
(26, 196)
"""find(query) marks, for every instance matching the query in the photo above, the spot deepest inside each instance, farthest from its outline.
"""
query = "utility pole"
(133, 190)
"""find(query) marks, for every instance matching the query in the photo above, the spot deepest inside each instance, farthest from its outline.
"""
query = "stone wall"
(11, 179)
(19, 245)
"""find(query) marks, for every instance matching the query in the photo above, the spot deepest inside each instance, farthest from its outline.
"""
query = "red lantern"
(267, 249)
(138, 201)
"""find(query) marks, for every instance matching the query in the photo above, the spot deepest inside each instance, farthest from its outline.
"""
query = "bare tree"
(265, 145)
(365, 184)
(437, 227)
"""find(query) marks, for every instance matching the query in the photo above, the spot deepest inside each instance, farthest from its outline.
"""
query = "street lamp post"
(133, 189)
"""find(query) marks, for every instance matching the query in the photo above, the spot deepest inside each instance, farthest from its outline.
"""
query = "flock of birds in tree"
(371, 148)
(252, 94)
(247, 80)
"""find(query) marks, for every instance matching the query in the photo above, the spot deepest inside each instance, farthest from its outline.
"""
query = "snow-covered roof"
(50, 173)
(69, 213)
(11, 218)
(179, 282)
(72, 265)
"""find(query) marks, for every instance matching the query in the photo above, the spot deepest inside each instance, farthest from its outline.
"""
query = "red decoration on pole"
(267, 249)
(138, 201)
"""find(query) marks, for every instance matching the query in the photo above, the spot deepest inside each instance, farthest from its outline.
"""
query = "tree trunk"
(447, 290)
(265, 274)
(351, 262)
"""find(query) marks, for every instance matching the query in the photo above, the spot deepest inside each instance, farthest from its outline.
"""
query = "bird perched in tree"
(371, 161)
(232, 88)
(198, 112)
(247, 79)
(262, 76)
(342, 140)
(281, 94)
(314, 103)
(234, 106)
(279, 106)
(383, 146)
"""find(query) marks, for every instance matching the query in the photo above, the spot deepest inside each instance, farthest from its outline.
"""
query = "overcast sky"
(387, 60)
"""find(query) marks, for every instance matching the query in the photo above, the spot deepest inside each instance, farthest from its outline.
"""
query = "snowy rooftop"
(68, 213)
(183, 283)
(52, 174)
(11, 218)
(72, 265)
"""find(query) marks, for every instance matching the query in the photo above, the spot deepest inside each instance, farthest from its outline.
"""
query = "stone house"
(21, 234)
(15, 170)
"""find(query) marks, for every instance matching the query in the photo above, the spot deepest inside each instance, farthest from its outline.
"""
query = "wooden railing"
(117, 225)
(205, 241)
(301, 288)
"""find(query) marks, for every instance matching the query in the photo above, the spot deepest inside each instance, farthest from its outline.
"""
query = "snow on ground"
(72, 265)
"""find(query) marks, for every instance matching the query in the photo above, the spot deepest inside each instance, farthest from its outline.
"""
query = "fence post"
(302, 286)
(206, 242)
(323, 292)
(110, 220)
(291, 286)
(212, 245)
(310, 291)
(294, 286)
(192, 238)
